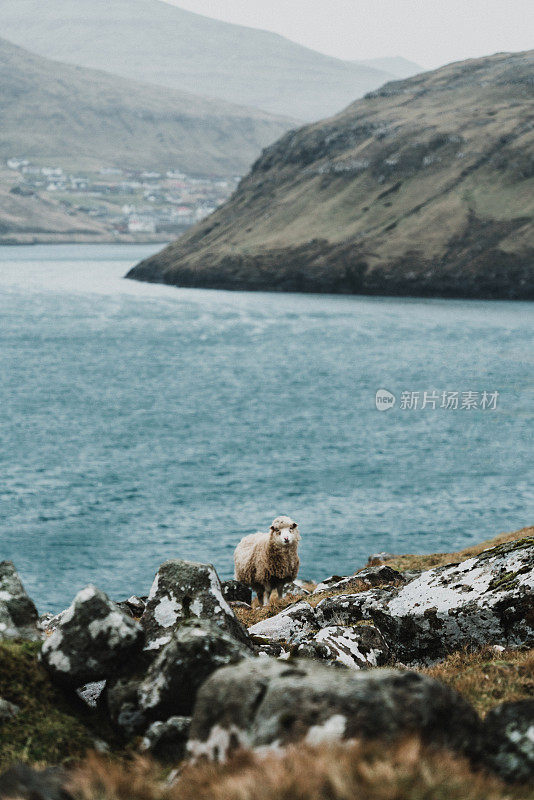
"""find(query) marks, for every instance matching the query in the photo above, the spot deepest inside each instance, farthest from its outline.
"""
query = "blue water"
(141, 422)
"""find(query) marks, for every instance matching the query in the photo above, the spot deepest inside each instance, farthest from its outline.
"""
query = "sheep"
(267, 561)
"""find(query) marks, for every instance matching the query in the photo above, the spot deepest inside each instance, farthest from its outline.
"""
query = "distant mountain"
(396, 66)
(59, 112)
(152, 41)
(424, 187)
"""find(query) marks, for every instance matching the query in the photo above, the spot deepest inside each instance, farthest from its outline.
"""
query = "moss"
(52, 726)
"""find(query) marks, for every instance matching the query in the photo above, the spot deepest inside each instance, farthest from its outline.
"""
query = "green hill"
(424, 187)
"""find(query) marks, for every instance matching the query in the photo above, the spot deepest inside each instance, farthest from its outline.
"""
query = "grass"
(410, 561)
(487, 678)
(52, 727)
(407, 771)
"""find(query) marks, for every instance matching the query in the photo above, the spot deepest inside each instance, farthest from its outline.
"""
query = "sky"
(429, 32)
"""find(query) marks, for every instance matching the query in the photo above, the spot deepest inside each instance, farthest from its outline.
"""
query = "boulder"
(267, 703)
(366, 578)
(167, 740)
(7, 710)
(184, 590)
(24, 783)
(236, 591)
(509, 740)
(487, 599)
(172, 680)
(18, 615)
(359, 647)
(134, 606)
(294, 620)
(95, 640)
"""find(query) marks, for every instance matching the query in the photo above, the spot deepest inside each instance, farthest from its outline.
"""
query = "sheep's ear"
(273, 529)
(293, 526)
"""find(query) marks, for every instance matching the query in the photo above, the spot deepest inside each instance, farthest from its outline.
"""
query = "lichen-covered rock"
(487, 599)
(236, 591)
(18, 615)
(24, 783)
(358, 647)
(167, 740)
(7, 710)
(172, 680)
(294, 620)
(270, 703)
(134, 606)
(94, 640)
(509, 740)
(366, 578)
(184, 590)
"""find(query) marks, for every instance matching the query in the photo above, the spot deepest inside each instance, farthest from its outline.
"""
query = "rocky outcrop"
(437, 197)
(93, 641)
(169, 686)
(358, 647)
(295, 620)
(167, 740)
(487, 599)
(184, 590)
(268, 703)
(509, 740)
(18, 615)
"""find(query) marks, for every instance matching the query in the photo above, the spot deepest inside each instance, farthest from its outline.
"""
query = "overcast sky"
(429, 32)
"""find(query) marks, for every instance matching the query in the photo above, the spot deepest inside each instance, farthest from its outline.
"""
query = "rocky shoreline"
(178, 675)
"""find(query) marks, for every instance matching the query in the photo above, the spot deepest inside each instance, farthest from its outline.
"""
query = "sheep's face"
(284, 532)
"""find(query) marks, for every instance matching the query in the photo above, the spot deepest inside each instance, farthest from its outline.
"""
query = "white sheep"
(267, 561)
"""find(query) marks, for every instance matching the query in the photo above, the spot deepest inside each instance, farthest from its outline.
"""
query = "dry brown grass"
(486, 678)
(441, 559)
(354, 771)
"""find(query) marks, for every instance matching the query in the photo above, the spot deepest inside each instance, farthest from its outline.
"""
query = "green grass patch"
(52, 727)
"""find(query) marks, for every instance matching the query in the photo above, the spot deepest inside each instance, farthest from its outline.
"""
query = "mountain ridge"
(56, 111)
(423, 187)
(155, 42)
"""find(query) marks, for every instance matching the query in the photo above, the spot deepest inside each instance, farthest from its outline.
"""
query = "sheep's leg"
(267, 595)
(280, 590)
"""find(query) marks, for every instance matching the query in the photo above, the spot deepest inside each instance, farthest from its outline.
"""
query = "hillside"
(152, 41)
(424, 187)
(64, 113)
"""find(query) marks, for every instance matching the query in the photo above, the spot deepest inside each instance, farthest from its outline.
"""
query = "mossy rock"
(52, 727)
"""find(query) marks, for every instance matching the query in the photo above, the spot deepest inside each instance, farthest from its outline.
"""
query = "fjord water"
(142, 422)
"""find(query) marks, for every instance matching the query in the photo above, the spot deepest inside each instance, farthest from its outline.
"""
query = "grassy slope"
(55, 111)
(426, 185)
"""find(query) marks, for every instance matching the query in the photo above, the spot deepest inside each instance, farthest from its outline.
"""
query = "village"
(126, 201)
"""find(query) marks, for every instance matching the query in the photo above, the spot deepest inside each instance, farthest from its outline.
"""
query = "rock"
(239, 604)
(378, 558)
(183, 590)
(91, 692)
(296, 589)
(269, 703)
(170, 685)
(94, 640)
(509, 740)
(49, 622)
(167, 740)
(293, 620)
(18, 615)
(359, 647)
(134, 606)
(366, 578)
(348, 609)
(236, 591)
(485, 600)
(7, 710)
(24, 783)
